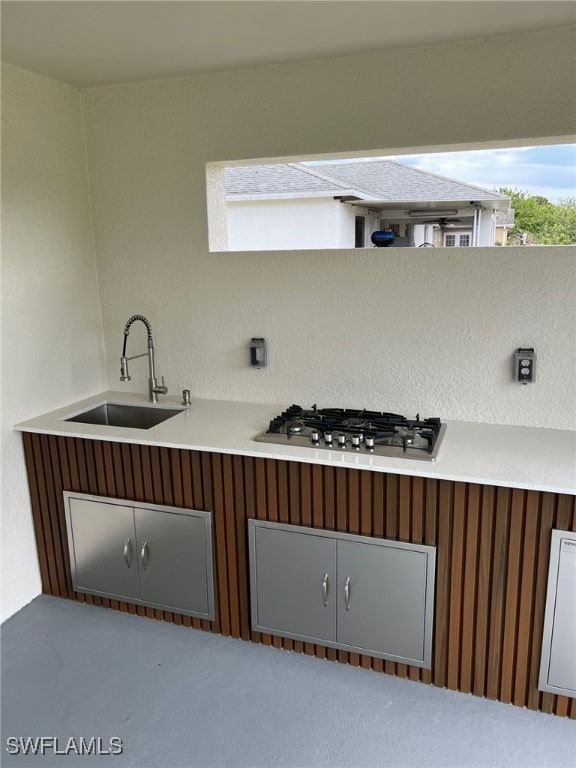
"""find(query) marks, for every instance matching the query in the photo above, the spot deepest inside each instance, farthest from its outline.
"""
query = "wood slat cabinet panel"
(492, 543)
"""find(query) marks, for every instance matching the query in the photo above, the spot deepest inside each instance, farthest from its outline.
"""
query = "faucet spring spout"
(127, 330)
(154, 389)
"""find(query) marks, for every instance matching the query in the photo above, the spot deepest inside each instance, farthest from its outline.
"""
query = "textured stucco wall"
(279, 225)
(405, 330)
(52, 350)
(408, 330)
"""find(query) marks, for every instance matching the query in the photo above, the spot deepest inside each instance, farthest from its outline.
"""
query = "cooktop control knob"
(342, 441)
(314, 435)
(328, 438)
(355, 440)
(369, 442)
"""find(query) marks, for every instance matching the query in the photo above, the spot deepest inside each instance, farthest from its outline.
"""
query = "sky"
(549, 171)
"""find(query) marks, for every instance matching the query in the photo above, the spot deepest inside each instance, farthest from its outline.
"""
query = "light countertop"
(491, 454)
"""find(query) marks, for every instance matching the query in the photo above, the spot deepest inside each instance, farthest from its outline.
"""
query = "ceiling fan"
(442, 222)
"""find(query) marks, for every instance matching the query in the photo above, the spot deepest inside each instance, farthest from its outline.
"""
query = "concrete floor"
(179, 698)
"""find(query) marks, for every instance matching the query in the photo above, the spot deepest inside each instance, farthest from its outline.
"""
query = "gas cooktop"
(364, 432)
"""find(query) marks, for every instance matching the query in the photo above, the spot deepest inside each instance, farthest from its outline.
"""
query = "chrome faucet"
(154, 389)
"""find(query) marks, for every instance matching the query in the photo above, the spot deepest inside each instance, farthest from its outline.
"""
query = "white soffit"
(95, 42)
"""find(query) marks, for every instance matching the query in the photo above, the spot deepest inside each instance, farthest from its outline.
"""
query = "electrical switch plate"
(258, 353)
(525, 365)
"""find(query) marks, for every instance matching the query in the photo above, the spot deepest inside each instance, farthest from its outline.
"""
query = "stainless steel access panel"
(558, 660)
(148, 554)
(367, 595)
(293, 582)
(102, 545)
(382, 590)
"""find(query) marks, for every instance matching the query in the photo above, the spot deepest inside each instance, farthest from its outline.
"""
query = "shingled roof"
(385, 180)
(280, 179)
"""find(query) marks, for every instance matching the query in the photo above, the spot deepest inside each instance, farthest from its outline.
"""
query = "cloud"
(549, 171)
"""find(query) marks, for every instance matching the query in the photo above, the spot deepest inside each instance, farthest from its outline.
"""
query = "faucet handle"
(158, 389)
(185, 397)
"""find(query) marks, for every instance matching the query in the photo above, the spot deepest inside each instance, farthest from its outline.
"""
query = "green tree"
(562, 229)
(542, 222)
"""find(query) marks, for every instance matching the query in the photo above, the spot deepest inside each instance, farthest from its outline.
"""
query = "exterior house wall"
(347, 216)
(294, 223)
(52, 346)
(312, 222)
(346, 225)
(276, 225)
(501, 236)
(487, 227)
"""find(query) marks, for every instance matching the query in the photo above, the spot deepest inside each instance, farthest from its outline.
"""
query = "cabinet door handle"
(128, 552)
(145, 556)
(347, 593)
(325, 590)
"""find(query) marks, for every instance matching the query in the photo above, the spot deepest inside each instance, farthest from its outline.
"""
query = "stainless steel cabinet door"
(558, 661)
(292, 584)
(562, 671)
(103, 548)
(172, 559)
(382, 599)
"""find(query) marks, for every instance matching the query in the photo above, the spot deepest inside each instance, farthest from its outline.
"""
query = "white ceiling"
(95, 42)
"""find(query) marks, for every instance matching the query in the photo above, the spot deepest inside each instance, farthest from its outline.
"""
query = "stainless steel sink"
(124, 415)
